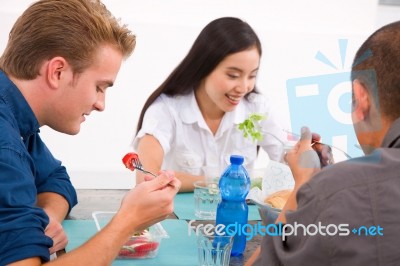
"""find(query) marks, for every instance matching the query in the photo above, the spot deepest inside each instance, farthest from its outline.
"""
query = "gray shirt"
(359, 199)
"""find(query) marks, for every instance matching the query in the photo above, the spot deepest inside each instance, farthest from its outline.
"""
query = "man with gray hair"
(353, 203)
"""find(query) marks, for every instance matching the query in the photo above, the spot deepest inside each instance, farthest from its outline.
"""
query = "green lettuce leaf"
(251, 128)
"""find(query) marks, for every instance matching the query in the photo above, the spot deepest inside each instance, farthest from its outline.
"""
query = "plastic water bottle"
(233, 211)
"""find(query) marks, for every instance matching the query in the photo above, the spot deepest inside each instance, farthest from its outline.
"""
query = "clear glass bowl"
(139, 246)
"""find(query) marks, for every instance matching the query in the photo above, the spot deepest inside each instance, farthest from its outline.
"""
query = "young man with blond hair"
(60, 59)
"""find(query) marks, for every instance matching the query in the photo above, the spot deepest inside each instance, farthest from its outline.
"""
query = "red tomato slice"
(127, 160)
(138, 250)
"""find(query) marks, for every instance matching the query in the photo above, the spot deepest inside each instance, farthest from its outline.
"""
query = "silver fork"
(318, 142)
(132, 162)
(138, 165)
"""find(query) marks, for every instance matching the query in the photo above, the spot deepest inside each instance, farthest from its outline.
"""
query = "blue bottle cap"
(237, 159)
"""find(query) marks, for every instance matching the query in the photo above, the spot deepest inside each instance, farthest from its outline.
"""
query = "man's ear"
(362, 101)
(56, 67)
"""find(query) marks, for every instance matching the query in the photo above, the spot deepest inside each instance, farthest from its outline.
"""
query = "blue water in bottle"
(233, 211)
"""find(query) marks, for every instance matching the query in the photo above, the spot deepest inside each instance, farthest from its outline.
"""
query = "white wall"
(291, 33)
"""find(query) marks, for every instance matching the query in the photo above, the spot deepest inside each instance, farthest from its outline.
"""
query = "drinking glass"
(213, 249)
(206, 199)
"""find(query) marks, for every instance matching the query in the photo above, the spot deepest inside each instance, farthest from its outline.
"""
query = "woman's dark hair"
(220, 38)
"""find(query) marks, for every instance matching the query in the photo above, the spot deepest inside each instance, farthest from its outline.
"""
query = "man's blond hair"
(73, 29)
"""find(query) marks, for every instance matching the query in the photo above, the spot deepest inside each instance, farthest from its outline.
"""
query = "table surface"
(178, 249)
(109, 200)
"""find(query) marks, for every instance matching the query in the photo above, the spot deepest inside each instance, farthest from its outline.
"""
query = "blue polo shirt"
(27, 168)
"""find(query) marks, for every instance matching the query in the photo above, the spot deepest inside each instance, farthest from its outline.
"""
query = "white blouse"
(188, 144)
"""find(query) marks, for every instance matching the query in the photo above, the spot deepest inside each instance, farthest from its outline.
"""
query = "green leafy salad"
(251, 128)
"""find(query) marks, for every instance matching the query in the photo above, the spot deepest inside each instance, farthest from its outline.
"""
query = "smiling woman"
(190, 121)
